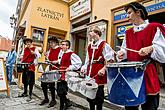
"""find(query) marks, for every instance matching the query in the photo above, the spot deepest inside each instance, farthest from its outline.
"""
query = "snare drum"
(70, 74)
(43, 67)
(126, 83)
(21, 67)
(74, 83)
(51, 76)
(88, 89)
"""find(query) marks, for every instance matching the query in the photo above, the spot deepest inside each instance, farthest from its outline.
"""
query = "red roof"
(5, 44)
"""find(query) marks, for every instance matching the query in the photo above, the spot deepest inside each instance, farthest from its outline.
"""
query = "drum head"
(89, 84)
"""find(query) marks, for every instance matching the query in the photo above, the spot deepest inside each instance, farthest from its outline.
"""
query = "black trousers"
(152, 103)
(28, 78)
(62, 89)
(51, 87)
(99, 100)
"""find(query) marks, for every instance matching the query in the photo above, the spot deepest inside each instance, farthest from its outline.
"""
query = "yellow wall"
(36, 17)
(33, 17)
(102, 9)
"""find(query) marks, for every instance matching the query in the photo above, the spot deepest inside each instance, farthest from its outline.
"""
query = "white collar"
(141, 26)
(96, 44)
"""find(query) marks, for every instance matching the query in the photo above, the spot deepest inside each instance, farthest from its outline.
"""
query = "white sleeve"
(108, 52)
(75, 62)
(38, 55)
(158, 45)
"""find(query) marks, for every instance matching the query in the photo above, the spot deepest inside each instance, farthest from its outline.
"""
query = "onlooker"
(10, 63)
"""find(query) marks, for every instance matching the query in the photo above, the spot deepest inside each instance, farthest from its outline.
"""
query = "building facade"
(72, 19)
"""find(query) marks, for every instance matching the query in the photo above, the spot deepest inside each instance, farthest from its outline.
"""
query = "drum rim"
(125, 64)
(71, 74)
(74, 80)
(94, 85)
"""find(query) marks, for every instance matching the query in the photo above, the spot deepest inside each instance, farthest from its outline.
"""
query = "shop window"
(38, 38)
(38, 35)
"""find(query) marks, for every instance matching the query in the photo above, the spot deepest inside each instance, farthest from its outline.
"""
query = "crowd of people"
(147, 38)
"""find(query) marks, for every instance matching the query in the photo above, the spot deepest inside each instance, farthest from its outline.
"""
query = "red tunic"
(138, 40)
(28, 57)
(65, 62)
(53, 55)
(96, 66)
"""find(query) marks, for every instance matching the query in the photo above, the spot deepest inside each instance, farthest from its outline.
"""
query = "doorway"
(80, 44)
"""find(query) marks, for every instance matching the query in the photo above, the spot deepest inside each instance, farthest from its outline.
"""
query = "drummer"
(95, 65)
(68, 61)
(30, 55)
(149, 40)
(52, 56)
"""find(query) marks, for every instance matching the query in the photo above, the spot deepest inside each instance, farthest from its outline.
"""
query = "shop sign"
(122, 29)
(79, 8)
(155, 7)
(3, 78)
(50, 14)
(150, 8)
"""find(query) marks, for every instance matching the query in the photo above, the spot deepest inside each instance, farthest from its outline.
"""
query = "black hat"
(138, 7)
(51, 38)
(27, 39)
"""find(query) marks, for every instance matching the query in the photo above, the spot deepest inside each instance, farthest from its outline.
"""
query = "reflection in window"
(38, 35)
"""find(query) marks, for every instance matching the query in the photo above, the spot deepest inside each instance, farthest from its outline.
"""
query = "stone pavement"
(79, 102)
(20, 103)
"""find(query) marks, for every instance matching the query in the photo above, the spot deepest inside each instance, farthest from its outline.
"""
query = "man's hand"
(145, 51)
(33, 52)
(54, 62)
(120, 54)
(101, 72)
(68, 69)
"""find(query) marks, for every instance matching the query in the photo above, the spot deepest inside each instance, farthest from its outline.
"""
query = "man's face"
(12, 47)
(28, 43)
(52, 44)
(92, 35)
(132, 15)
(64, 46)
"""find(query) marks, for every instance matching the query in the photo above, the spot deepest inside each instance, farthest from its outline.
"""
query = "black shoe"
(44, 102)
(52, 103)
(29, 99)
(61, 107)
(67, 104)
(23, 95)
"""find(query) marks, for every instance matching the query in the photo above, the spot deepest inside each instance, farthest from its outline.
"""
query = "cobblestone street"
(78, 103)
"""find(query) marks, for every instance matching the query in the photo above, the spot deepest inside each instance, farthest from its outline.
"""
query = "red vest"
(53, 55)
(138, 40)
(96, 66)
(65, 63)
(28, 57)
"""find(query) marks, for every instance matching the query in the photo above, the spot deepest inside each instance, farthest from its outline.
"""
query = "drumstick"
(128, 49)
(93, 77)
(114, 51)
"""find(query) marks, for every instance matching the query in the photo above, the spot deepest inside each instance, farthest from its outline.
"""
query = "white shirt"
(158, 43)
(75, 60)
(107, 52)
